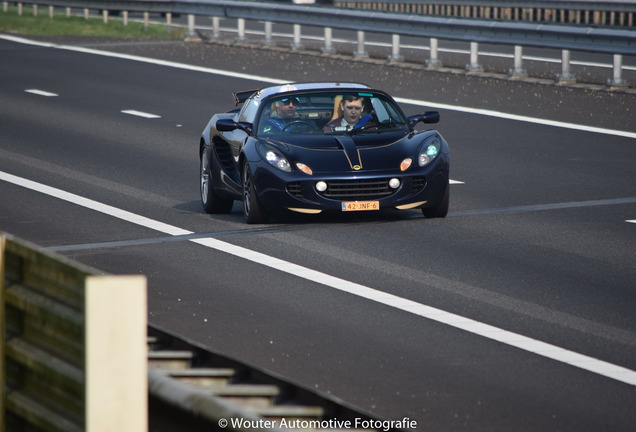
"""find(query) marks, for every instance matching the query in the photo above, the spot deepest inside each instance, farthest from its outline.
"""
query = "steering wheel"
(300, 124)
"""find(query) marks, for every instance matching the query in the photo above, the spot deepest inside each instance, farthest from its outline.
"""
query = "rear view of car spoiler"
(242, 96)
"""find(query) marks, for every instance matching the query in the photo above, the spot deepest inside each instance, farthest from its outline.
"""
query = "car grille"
(357, 189)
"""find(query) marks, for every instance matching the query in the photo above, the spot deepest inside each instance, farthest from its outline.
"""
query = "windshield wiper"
(391, 123)
(387, 124)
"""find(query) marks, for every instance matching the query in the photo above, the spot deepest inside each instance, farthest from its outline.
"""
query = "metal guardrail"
(615, 41)
(224, 391)
(588, 12)
(73, 344)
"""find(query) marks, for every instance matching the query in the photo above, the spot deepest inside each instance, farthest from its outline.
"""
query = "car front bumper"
(418, 188)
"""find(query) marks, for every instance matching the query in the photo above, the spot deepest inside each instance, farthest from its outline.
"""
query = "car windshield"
(327, 113)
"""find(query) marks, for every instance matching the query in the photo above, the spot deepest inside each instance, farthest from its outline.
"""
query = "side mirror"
(229, 125)
(427, 117)
(430, 117)
(226, 125)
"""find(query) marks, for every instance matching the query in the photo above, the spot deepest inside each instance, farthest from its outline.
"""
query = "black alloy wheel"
(254, 212)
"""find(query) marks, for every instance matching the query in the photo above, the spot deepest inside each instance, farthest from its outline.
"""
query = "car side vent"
(418, 184)
(294, 189)
(224, 153)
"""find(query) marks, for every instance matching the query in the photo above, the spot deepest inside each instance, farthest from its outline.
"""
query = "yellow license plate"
(360, 205)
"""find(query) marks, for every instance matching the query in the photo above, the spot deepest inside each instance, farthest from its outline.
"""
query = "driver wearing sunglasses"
(286, 108)
(283, 113)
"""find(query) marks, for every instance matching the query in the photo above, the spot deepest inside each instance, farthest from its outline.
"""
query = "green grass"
(61, 25)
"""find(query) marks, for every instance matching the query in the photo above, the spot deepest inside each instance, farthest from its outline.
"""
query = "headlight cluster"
(275, 157)
(429, 151)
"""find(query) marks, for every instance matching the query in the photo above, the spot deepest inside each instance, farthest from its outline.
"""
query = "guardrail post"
(5, 6)
(191, 33)
(68, 12)
(51, 11)
(518, 71)
(20, 7)
(395, 49)
(240, 28)
(328, 47)
(617, 80)
(433, 61)
(125, 16)
(297, 44)
(168, 22)
(35, 10)
(105, 15)
(361, 53)
(86, 13)
(146, 20)
(474, 65)
(565, 77)
(268, 34)
(216, 24)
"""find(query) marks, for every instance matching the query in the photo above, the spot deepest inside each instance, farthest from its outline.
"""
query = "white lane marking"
(516, 117)
(93, 205)
(631, 221)
(41, 93)
(554, 352)
(478, 111)
(141, 114)
(145, 60)
(451, 181)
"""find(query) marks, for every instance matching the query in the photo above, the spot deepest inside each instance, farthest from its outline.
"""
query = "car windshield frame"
(313, 110)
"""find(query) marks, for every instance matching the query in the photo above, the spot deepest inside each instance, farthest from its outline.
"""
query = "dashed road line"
(41, 93)
(141, 114)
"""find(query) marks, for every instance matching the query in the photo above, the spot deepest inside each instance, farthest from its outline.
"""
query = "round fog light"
(321, 186)
(394, 183)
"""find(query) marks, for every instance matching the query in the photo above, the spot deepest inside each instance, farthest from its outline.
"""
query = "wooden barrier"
(73, 354)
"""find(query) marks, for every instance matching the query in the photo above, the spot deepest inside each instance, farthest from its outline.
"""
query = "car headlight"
(429, 151)
(275, 157)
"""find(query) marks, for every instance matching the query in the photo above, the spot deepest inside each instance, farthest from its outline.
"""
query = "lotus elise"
(320, 147)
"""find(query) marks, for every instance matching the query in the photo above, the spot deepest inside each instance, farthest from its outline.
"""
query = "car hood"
(362, 152)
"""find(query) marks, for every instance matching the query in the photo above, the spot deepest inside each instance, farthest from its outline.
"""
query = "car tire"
(211, 201)
(254, 212)
(441, 210)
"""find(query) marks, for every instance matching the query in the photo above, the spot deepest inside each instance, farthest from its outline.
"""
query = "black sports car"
(316, 147)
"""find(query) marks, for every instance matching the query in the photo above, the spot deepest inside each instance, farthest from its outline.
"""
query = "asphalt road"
(540, 241)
